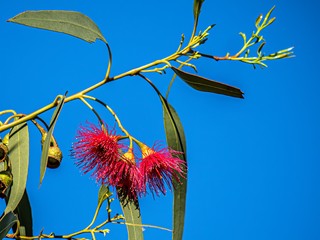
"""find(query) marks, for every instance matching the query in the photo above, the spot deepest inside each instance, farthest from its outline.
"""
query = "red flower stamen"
(159, 167)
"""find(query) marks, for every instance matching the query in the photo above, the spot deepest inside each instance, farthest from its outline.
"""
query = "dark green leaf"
(19, 159)
(46, 144)
(24, 214)
(132, 216)
(73, 23)
(176, 140)
(206, 85)
(6, 223)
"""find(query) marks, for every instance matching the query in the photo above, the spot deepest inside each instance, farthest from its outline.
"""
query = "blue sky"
(253, 163)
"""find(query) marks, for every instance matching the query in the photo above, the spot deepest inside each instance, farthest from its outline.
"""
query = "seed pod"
(3, 152)
(54, 154)
(5, 183)
(54, 157)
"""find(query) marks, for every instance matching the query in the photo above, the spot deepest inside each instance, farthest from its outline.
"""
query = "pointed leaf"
(46, 144)
(73, 23)
(103, 194)
(206, 85)
(176, 140)
(131, 212)
(197, 8)
(19, 159)
(24, 214)
(6, 223)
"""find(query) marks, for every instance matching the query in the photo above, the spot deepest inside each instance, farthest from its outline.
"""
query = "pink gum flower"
(95, 149)
(159, 167)
(125, 176)
(100, 152)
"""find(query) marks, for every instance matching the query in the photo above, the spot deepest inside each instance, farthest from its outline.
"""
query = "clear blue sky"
(253, 163)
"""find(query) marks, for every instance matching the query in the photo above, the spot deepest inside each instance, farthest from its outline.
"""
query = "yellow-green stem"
(80, 94)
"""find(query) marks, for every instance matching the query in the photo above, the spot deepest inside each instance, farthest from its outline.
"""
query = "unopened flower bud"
(3, 152)
(5, 183)
(54, 157)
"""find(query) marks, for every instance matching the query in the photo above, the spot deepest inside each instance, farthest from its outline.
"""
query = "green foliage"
(19, 159)
(24, 213)
(206, 85)
(48, 139)
(6, 223)
(176, 140)
(104, 193)
(197, 4)
(132, 217)
(243, 55)
(73, 23)
(78, 25)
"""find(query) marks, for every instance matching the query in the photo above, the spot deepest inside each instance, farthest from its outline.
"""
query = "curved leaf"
(73, 23)
(103, 194)
(24, 214)
(19, 159)
(207, 85)
(6, 223)
(46, 144)
(176, 140)
(131, 212)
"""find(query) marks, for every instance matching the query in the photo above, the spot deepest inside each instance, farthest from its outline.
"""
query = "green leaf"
(207, 85)
(176, 140)
(131, 212)
(19, 159)
(6, 223)
(47, 141)
(24, 214)
(197, 8)
(73, 23)
(103, 194)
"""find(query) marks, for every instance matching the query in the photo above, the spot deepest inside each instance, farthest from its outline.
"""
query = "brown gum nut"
(54, 157)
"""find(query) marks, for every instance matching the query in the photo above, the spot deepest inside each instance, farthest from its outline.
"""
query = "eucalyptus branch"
(186, 51)
(98, 150)
(185, 63)
(243, 54)
(86, 230)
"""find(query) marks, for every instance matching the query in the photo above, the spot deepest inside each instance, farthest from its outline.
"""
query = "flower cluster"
(100, 152)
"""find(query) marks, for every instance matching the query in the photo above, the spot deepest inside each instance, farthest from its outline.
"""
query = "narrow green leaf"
(73, 23)
(24, 214)
(207, 85)
(6, 223)
(46, 144)
(258, 20)
(197, 8)
(176, 140)
(131, 212)
(196, 12)
(244, 37)
(19, 159)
